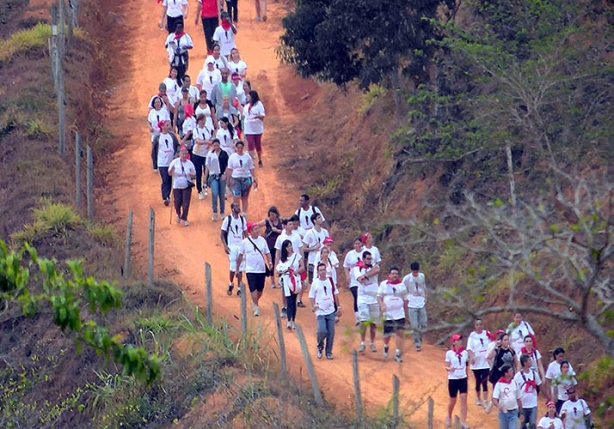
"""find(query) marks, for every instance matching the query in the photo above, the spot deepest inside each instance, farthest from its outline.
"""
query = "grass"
(32, 39)
(104, 234)
(50, 218)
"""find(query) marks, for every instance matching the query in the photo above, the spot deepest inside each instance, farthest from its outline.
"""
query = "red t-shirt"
(209, 9)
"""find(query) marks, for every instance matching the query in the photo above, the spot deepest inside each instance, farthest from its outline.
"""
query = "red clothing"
(209, 9)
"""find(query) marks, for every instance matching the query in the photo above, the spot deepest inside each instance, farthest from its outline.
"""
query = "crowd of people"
(198, 135)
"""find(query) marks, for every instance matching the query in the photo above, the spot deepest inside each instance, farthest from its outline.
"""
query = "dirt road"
(181, 252)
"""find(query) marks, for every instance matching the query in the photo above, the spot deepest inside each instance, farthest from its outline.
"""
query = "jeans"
(218, 191)
(530, 418)
(417, 320)
(508, 420)
(209, 26)
(182, 202)
(199, 166)
(326, 330)
(166, 183)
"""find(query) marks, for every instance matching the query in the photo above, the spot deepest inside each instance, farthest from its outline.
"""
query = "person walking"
(368, 309)
(226, 135)
(173, 13)
(288, 233)
(559, 385)
(575, 412)
(289, 269)
(506, 397)
(367, 241)
(519, 329)
(208, 77)
(183, 172)
(500, 356)
(305, 211)
(257, 262)
(272, 229)
(253, 124)
(313, 241)
(177, 45)
(224, 35)
(233, 11)
(416, 302)
(232, 234)
(391, 296)
(456, 364)
(215, 169)
(156, 117)
(236, 64)
(260, 10)
(352, 258)
(536, 360)
(165, 147)
(240, 175)
(477, 347)
(208, 11)
(202, 141)
(223, 88)
(324, 299)
(554, 369)
(551, 420)
(528, 381)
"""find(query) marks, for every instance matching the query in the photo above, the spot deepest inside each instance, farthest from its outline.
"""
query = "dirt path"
(181, 252)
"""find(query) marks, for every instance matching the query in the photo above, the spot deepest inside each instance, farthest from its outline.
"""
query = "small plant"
(104, 234)
(57, 217)
(38, 129)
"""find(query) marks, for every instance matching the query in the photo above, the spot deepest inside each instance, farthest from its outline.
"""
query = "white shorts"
(369, 313)
(232, 257)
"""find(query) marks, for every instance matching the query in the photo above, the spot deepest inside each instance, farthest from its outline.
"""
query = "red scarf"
(179, 36)
(225, 24)
(458, 352)
(292, 280)
(524, 351)
(528, 384)
(393, 282)
(362, 265)
(506, 381)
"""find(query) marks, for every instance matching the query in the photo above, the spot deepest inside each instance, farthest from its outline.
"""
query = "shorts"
(232, 257)
(391, 326)
(369, 313)
(240, 186)
(256, 281)
(457, 386)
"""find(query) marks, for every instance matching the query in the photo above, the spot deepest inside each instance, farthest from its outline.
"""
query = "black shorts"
(255, 281)
(391, 326)
(457, 386)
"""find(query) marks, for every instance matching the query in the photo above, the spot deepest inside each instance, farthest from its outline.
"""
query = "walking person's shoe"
(448, 422)
(186, 223)
(329, 356)
(478, 402)
(260, 162)
(418, 347)
(319, 353)
(177, 219)
(300, 304)
(256, 311)
(284, 313)
(167, 202)
(201, 196)
(293, 326)
(372, 347)
(289, 325)
(214, 217)
(488, 407)
(239, 290)
(397, 356)
(230, 287)
(362, 347)
(386, 348)
(205, 192)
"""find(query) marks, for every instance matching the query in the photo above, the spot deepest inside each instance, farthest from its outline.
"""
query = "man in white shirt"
(477, 346)
(351, 259)
(233, 231)
(554, 368)
(575, 412)
(165, 147)
(257, 256)
(324, 301)
(288, 233)
(366, 273)
(416, 302)
(192, 90)
(506, 397)
(305, 211)
(313, 242)
(528, 380)
(173, 13)
(391, 296)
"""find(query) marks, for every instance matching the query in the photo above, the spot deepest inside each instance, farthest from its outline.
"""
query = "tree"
(33, 284)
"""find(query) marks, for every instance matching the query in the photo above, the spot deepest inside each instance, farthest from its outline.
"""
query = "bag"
(267, 271)
(190, 183)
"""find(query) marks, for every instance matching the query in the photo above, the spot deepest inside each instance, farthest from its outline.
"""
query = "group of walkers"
(197, 135)
(210, 121)
(510, 362)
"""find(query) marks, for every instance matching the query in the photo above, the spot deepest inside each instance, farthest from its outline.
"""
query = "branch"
(429, 160)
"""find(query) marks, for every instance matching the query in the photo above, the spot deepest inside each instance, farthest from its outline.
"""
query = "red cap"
(548, 403)
(250, 226)
(183, 147)
(328, 240)
(364, 237)
(456, 337)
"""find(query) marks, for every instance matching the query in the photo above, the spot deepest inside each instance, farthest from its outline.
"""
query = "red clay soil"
(181, 252)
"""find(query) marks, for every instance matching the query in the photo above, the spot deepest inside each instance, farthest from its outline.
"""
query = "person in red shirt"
(209, 12)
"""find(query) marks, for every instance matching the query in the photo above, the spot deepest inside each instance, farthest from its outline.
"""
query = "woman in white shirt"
(253, 124)
(202, 139)
(155, 118)
(289, 269)
(208, 77)
(173, 92)
(226, 135)
(240, 175)
(183, 172)
(216, 164)
(236, 64)
(550, 420)
(203, 107)
(456, 365)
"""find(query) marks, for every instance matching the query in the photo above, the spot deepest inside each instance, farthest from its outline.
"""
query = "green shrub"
(104, 234)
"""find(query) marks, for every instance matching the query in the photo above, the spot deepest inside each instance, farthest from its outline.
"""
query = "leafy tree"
(32, 284)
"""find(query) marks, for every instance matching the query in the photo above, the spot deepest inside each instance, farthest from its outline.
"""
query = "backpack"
(229, 220)
(314, 209)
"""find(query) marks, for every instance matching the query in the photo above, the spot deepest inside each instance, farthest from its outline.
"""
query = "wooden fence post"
(53, 45)
(209, 293)
(60, 93)
(128, 246)
(280, 339)
(317, 395)
(395, 401)
(90, 182)
(357, 394)
(431, 404)
(78, 169)
(150, 261)
(243, 311)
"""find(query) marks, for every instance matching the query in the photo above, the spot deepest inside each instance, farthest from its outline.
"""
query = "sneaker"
(293, 326)
(284, 313)
(257, 18)
(201, 196)
(289, 325)
(397, 356)
(205, 192)
(418, 347)
(264, 19)
(273, 285)
(167, 202)
(329, 356)
(214, 217)
(488, 407)
(177, 219)
(300, 304)
(319, 353)
(386, 352)
(239, 290)
(229, 291)
(155, 170)
(448, 422)
(478, 402)
(186, 223)
(362, 347)
(256, 311)
(260, 162)
(372, 347)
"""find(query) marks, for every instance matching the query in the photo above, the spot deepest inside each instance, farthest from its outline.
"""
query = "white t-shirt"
(304, 216)
(156, 116)
(535, 357)
(528, 393)
(205, 111)
(458, 364)
(562, 382)
(166, 152)
(226, 141)
(213, 162)
(294, 238)
(544, 423)
(193, 93)
(394, 299)
(183, 171)
(416, 290)
(208, 79)
(554, 369)
(377, 258)
(507, 394)
(203, 133)
(173, 90)
(224, 38)
(254, 260)
(189, 124)
(253, 125)
(518, 333)
(575, 413)
(367, 290)
(331, 265)
(349, 263)
(235, 229)
(312, 237)
(239, 67)
(478, 345)
(293, 262)
(241, 165)
(322, 292)
(174, 7)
